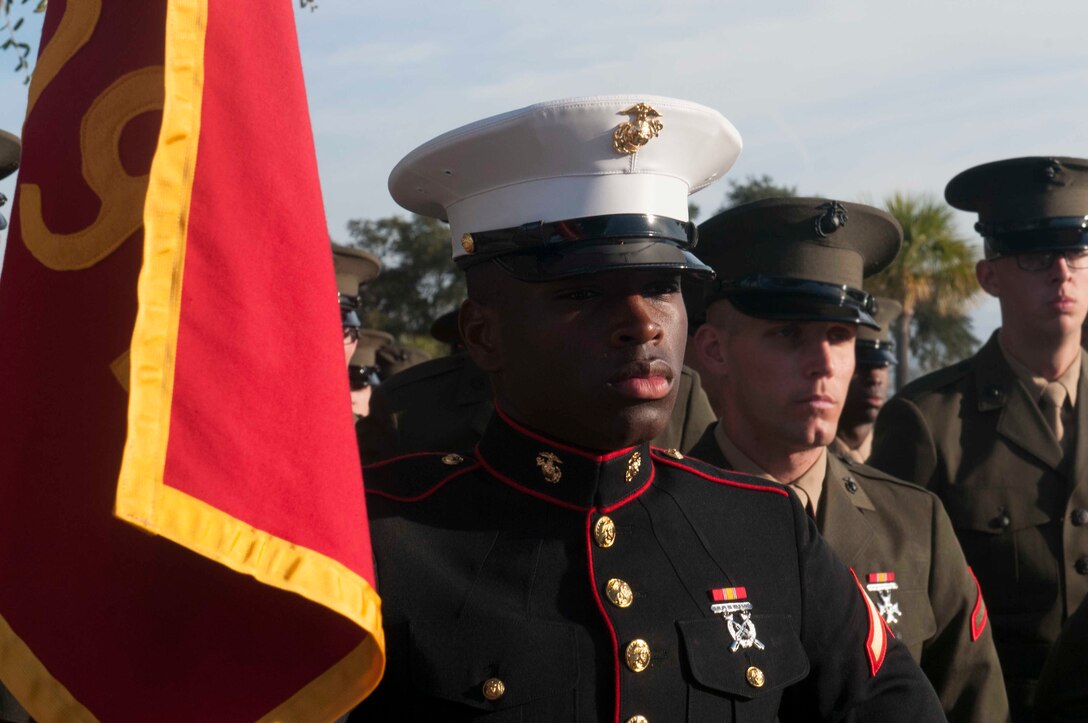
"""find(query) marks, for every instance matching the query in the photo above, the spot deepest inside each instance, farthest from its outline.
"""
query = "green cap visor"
(768, 297)
(1048, 234)
(875, 353)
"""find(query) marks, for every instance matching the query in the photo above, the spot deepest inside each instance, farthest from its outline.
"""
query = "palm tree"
(934, 272)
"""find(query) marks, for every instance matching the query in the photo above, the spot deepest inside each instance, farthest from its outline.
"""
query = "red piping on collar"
(391, 460)
(732, 483)
(523, 489)
(604, 614)
(633, 495)
(559, 445)
(425, 495)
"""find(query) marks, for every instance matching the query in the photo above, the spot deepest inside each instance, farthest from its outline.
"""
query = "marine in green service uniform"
(353, 268)
(780, 341)
(1002, 437)
(564, 569)
(874, 357)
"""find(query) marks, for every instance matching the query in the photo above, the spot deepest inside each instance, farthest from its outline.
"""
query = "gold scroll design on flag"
(121, 211)
(121, 195)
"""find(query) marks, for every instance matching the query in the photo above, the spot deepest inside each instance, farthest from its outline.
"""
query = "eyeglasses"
(361, 377)
(1076, 258)
(351, 334)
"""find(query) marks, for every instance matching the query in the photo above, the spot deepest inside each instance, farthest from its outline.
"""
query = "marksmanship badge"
(883, 583)
(729, 602)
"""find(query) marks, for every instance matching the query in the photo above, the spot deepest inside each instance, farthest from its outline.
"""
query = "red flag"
(172, 365)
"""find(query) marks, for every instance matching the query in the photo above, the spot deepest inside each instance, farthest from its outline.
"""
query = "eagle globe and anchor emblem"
(731, 602)
(638, 131)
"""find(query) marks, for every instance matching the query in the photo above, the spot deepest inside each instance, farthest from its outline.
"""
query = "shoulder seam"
(426, 493)
(718, 479)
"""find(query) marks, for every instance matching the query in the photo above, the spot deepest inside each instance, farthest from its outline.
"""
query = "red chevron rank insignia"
(979, 616)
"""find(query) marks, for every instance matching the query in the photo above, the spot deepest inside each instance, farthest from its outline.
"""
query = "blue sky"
(848, 99)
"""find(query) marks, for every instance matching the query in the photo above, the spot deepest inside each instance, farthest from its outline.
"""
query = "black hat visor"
(562, 249)
(768, 297)
(875, 353)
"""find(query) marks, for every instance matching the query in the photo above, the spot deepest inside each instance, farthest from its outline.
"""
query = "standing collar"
(562, 473)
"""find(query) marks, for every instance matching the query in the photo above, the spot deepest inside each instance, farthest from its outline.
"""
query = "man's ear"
(987, 277)
(708, 345)
(480, 331)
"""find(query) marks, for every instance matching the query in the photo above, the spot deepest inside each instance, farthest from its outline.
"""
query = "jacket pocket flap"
(915, 623)
(993, 509)
(778, 655)
(452, 659)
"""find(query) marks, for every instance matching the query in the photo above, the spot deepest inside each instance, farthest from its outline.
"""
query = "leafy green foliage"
(934, 278)
(418, 282)
(939, 339)
(11, 25)
(755, 189)
(15, 17)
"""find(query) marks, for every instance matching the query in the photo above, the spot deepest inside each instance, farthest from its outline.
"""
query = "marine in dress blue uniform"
(565, 569)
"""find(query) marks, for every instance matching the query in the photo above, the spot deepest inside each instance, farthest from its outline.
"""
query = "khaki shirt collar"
(810, 483)
(1036, 384)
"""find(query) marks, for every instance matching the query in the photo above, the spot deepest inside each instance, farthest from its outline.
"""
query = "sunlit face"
(350, 342)
(1051, 303)
(360, 401)
(783, 383)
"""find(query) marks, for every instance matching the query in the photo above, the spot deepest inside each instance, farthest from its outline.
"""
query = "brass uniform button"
(755, 677)
(493, 688)
(468, 243)
(674, 453)
(452, 459)
(604, 532)
(638, 719)
(637, 655)
(619, 593)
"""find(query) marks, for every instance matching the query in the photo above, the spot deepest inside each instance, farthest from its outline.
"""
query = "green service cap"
(10, 149)
(875, 347)
(799, 258)
(1038, 203)
(354, 267)
(370, 341)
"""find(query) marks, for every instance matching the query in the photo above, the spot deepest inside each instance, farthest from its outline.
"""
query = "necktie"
(1051, 404)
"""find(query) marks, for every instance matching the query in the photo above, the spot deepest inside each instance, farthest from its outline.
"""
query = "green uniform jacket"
(532, 581)
(878, 524)
(973, 434)
(446, 404)
(1063, 685)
